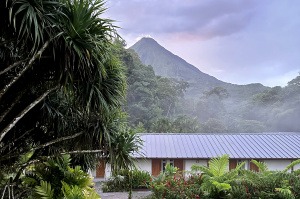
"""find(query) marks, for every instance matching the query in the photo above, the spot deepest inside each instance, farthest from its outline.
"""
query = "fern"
(286, 193)
(90, 193)
(291, 165)
(72, 192)
(263, 167)
(30, 180)
(44, 190)
(76, 192)
(221, 186)
(234, 172)
(218, 166)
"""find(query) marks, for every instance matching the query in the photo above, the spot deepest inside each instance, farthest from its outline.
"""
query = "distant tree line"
(159, 104)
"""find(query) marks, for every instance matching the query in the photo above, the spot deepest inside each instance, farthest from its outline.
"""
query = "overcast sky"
(237, 41)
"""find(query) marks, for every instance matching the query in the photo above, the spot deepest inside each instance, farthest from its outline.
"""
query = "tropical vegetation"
(218, 106)
(54, 179)
(153, 103)
(126, 180)
(216, 181)
(169, 104)
(61, 91)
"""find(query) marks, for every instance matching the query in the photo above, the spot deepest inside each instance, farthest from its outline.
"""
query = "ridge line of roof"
(262, 133)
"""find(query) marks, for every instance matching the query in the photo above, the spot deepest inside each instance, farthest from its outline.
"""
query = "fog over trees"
(201, 104)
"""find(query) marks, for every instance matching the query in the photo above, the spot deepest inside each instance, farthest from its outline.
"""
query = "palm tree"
(216, 177)
(124, 145)
(59, 81)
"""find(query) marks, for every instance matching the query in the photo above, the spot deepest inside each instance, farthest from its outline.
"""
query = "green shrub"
(115, 184)
(171, 184)
(140, 179)
(217, 182)
(124, 180)
(268, 184)
(177, 187)
(56, 179)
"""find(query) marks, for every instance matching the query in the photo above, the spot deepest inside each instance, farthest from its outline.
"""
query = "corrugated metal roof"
(203, 146)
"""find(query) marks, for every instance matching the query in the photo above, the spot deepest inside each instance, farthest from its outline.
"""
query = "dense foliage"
(215, 181)
(152, 99)
(55, 179)
(61, 89)
(219, 106)
(166, 104)
(125, 180)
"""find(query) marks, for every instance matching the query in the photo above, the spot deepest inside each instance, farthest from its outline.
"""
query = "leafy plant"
(263, 167)
(56, 179)
(76, 192)
(294, 163)
(215, 181)
(177, 187)
(123, 144)
(170, 170)
(44, 190)
(127, 179)
(216, 177)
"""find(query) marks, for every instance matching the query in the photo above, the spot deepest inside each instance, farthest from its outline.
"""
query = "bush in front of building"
(266, 184)
(215, 181)
(124, 180)
(172, 184)
(176, 187)
(54, 179)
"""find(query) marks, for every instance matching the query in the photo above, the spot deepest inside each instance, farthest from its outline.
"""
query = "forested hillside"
(192, 101)
(153, 102)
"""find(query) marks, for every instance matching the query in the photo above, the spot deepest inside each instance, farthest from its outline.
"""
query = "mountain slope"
(217, 106)
(167, 64)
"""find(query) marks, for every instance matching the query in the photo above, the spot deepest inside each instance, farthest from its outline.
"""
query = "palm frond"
(294, 163)
(261, 165)
(44, 190)
(33, 19)
(218, 166)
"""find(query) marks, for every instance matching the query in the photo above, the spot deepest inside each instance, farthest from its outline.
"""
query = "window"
(165, 162)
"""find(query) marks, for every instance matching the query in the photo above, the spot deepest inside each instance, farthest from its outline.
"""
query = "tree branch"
(23, 113)
(12, 66)
(31, 61)
(57, 140)
(11, 106)
(82, 151)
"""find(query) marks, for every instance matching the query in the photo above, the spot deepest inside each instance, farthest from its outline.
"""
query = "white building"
(183, 150)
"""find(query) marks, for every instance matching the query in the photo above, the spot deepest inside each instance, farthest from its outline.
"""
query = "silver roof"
(204, 146)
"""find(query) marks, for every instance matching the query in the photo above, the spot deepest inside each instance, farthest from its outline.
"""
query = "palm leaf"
(218, 166)
(44, 190)
(294, 163)
(261, 165)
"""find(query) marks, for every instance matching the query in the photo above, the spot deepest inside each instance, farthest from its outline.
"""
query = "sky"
(236, 41)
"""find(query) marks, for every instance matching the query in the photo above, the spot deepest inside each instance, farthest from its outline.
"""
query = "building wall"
(144, 165)
(277, 165)
(107, 171)
(188, 163)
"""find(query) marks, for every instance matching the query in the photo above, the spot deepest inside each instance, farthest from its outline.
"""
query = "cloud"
(239, 41)
(203, 18)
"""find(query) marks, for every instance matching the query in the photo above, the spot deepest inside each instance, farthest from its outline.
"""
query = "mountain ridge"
(208, 104)
(167, 64)
(145, 44)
